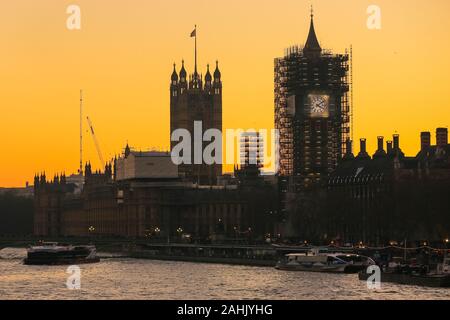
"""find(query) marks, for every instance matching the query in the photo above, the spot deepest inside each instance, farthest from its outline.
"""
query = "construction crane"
(97, 146)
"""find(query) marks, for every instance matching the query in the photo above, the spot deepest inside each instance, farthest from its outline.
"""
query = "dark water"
(145, 279)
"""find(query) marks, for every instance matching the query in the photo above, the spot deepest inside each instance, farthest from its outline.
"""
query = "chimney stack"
(363, 144)
(348, 150)
(363, 151)
(380, 152)
(425, 140)
(380, 143)
(441, 137)
(396, 141)
(397, 151)
(390, 149)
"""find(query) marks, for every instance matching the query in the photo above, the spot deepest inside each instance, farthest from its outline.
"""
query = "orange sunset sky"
(122, 59)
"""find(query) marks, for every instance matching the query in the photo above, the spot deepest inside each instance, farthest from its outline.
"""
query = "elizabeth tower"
(312, 111)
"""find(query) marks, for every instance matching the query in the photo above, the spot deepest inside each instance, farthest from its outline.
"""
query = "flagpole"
(196, 49)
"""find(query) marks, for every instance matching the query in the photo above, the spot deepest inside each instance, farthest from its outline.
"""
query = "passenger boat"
(324, 262)
(414, 276)
(52, 253)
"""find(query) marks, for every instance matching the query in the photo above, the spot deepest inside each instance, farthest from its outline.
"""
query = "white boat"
(52, 253)
(315, 261)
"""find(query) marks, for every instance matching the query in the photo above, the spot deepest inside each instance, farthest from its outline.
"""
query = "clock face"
(319, 105)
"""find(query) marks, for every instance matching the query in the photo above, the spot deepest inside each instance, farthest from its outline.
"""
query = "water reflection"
(145, 279)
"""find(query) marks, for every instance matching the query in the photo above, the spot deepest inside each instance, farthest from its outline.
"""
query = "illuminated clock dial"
(318, 104)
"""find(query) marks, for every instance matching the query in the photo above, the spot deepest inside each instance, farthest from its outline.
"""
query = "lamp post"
(91, 230)
(180, 232)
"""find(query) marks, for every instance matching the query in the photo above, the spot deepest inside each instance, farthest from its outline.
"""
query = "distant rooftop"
(150, 153)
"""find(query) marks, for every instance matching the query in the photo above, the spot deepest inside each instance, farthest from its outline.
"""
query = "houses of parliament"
(323, 192)
(196, 99)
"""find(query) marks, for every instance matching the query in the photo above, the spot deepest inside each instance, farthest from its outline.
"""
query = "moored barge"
(414, 275)
(428, 280)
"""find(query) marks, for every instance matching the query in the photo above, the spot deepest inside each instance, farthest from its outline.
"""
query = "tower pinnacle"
(312, 46)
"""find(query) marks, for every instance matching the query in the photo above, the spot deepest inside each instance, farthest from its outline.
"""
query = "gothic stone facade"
(378, 199)
(151, 208)
(194, 101)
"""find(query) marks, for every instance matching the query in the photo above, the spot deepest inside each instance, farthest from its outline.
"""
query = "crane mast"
(97, 146)
(80, 170)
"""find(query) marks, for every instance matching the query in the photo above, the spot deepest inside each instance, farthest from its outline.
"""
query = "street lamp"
(91, 231)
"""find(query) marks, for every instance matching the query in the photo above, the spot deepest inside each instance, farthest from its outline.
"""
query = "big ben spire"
(315, 86)
(312, 46)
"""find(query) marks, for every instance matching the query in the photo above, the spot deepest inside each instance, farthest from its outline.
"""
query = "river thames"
(123, 278)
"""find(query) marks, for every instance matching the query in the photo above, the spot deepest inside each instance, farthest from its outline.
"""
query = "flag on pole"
(194, 33)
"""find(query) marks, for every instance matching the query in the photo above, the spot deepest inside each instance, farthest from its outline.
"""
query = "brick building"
(157, 206)
(379, 198)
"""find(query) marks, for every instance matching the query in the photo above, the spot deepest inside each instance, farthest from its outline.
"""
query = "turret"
(108, 170)
(115, 168)
(62, 180)
(195, 81)
(217, 80)
(217, 74)
(87, 169)
(174, 84)
(174, 77)
(36, 181)
(43, 179)
(208, 78)
(183, 74)
(127, 150)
